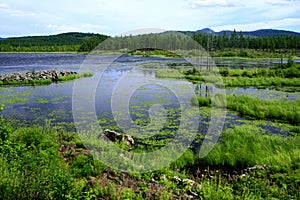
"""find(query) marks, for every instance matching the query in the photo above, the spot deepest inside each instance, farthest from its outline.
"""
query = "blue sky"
(114, 17)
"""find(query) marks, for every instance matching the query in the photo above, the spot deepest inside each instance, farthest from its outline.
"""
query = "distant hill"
(73, 41)
(73, 38)
(2, 38)
(257, 33)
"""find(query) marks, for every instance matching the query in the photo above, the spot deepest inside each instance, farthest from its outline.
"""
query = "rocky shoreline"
(20, 77)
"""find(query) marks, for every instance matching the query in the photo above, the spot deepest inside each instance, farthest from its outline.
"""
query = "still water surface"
(35, 104)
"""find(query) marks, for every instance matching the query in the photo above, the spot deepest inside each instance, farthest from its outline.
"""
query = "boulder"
(30, 76)
(119, 138)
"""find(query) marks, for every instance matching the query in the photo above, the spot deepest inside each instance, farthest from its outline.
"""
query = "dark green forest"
(238, 40)
(85, 42)
(54, 43)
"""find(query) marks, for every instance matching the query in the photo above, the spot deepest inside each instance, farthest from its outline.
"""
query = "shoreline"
(152, 56)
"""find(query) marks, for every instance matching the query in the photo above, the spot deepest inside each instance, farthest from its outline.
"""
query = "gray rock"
(117, 137)
(30, 76)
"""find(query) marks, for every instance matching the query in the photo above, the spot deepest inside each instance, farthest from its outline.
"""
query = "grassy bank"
(226, 53)
(47, 163)
(261, 82)
(252, 53)
(233, 81)
(246, 146)
(284, 111)
(47, 81)
(281, 75)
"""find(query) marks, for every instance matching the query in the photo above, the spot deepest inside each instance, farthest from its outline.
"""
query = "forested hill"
(62, 42)
(257, 33)
(265, 40)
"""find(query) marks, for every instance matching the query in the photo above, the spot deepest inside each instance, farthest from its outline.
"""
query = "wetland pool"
(37, 104)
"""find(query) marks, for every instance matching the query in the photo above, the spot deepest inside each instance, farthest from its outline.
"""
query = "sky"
(115, 17)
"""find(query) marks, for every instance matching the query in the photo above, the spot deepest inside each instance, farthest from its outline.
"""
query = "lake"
(38, 104)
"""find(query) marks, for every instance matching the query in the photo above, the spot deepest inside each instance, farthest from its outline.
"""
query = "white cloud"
(236, 3)
(15, 12)
(281, 2)
(20, 13)
(118, 16)
(216, 3)
(4, 6)
(78, 28)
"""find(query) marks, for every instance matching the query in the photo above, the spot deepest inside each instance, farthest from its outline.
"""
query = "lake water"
(36, 104)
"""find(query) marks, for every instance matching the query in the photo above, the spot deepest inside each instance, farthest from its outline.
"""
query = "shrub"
(82, 166)
(290, 62)
(29, 136)
(6, 129)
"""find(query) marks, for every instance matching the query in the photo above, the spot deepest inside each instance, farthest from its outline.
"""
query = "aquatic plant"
(285, 111)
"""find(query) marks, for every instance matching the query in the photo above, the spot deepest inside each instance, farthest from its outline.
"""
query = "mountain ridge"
(256, 33)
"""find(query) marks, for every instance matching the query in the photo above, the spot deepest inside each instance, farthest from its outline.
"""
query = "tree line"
(86, 42)
(238, 40)
(54, 43)
(210, 42)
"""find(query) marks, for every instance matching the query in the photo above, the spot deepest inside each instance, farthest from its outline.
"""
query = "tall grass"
(246, 146)
(260, 82)
(75, 76)
(169, 74)
(285, 111)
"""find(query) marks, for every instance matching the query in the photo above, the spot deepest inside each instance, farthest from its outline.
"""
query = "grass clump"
(246, 146)
(75, 76)
(284, 111)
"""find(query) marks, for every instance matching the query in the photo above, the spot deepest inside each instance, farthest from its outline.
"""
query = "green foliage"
(31, 167)
(214, 189)
(192, 71)
(239, 41)
(286, 111)
(82, 166)
(246, 146)
(224, 72)
(6, 130)
(185, 160)
(66, 42)
(29, 136)
(91, 43)
(202, 101)
(75, 76)
(2, 107)
(147, 52)
(290, 62)
(128, 194)
(169, 74)
(260, 82)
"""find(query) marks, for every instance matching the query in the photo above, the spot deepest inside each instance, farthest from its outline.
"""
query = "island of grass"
(279, 75)
(41, 78)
